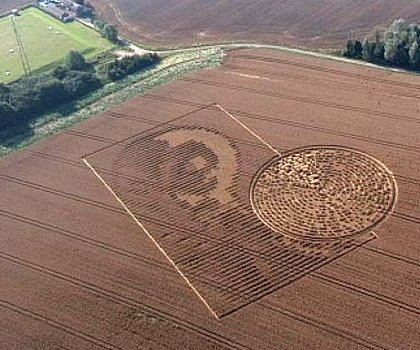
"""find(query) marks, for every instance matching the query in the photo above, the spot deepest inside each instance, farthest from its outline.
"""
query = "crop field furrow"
(334, 72)
(247, 192)
(147, 261)
(324, 23)
(393, 255)
(131, 303)
(122, 300)
(82, 238)
(397, 214)
(93, 137)
(299, 99)
(322, 130)
(28, 313)
(115, 208)
(275, 76)
(404, 306)
(366, 344)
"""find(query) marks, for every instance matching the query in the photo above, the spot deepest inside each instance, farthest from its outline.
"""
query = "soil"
(8, 5)
(78, 273)
(316, 24)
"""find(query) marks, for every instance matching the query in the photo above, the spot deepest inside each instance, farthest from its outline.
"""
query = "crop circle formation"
(323, 193)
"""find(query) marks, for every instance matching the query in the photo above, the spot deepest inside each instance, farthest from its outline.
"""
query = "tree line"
(21, 102)
(108, 31)
(129, 65)
(398, 45)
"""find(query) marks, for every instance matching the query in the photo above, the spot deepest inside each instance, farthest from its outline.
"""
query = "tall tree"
(99, 24)
(4, 89)
(367, 50)
(403, 59)
(391, 47)
(349, 51)
(414, 54)
(358, 49)
(76, 61)
(111, 33)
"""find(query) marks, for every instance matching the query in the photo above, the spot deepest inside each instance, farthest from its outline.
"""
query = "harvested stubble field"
(78, 273)
(315, 23)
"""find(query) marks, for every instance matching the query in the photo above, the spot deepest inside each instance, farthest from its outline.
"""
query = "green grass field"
(46, 41)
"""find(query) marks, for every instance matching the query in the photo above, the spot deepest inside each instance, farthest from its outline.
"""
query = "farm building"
(65, 10)
(59, 12)
(77, 9)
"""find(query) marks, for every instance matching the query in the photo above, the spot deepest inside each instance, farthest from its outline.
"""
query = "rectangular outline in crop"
(295, 276)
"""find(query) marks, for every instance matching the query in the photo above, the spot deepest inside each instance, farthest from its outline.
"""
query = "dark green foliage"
(107, 30)
(4, 89)
(399, 47)
(76, 61)
(77, 84)
(60, 72)
(349, 51)
(5, 108)
(367, 50)
(129, 65)
(99, 24)
(378, 52)
(402, 58)
(111, 33)
(358, 49)
(414, 56)
(354, 49)
(23, 101)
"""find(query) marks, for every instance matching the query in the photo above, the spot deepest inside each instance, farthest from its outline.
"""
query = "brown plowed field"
(315, 23)
(77, 272)
(7, 5)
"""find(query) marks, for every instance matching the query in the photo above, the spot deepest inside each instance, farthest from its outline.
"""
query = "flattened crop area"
(215, 167)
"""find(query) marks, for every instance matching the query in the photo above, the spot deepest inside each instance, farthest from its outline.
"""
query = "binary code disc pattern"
(323, 193)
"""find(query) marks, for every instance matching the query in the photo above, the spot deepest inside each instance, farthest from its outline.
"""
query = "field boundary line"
(202, 107)
(152, 238)
(323, 130)
(401, 177)
(108, 247)
(142, 223)
(247, 129)
(122, 211)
